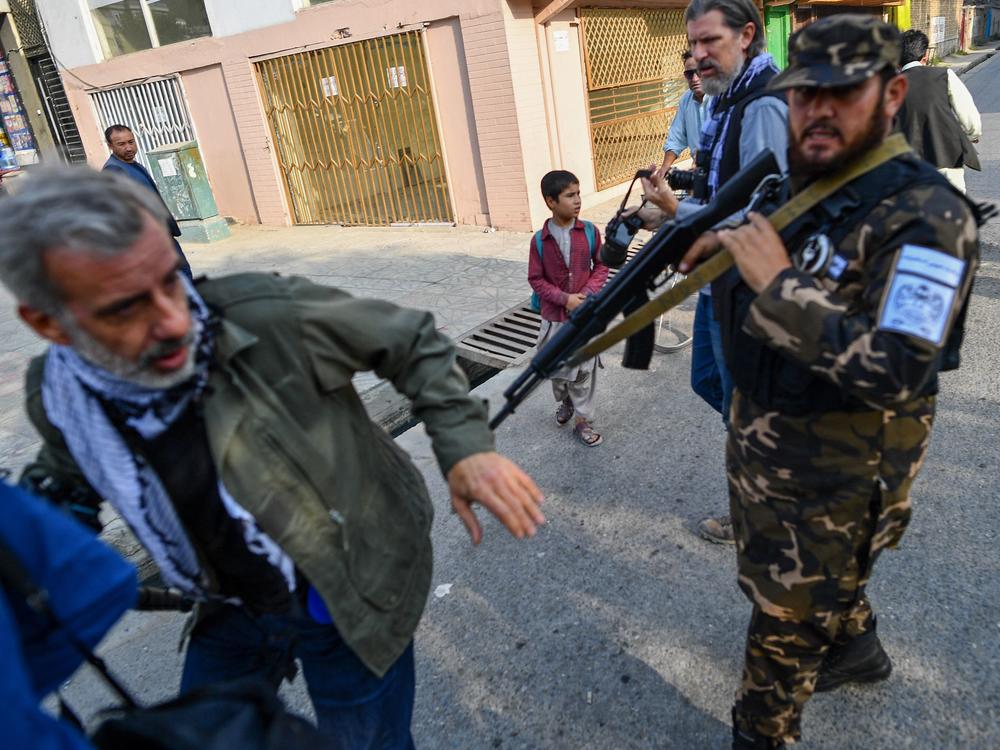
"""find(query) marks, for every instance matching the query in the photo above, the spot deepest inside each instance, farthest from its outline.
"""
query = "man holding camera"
(835, 331)
(728, 48)
(220, 420)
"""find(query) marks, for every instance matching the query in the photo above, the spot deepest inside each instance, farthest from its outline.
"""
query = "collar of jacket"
(232, 340)
(577, 224)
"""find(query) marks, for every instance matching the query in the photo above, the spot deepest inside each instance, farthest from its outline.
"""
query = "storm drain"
(508, 339)
(504, 341)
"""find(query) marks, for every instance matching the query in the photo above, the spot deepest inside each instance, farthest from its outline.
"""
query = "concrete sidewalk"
(463, 275)
(964, 62)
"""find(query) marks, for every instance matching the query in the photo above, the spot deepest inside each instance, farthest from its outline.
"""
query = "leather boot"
(860, 660)
(752, 740)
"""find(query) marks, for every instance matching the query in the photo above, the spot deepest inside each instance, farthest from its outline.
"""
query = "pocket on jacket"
(389, 533)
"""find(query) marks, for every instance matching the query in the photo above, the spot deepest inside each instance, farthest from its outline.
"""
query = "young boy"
(563, 274)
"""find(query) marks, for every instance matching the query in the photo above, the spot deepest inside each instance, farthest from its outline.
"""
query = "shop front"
(17, 140)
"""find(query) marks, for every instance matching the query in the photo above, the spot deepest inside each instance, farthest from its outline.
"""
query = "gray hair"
(75, 208)
(735, 14)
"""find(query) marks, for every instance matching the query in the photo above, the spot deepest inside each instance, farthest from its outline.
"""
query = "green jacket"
(294, 446)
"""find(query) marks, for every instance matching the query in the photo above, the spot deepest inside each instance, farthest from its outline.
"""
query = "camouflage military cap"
(839, 50)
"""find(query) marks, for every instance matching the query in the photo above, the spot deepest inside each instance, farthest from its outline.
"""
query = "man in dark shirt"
(121, 141)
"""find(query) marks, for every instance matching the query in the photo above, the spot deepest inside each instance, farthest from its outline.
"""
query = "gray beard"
(139, 373)
(718, 84)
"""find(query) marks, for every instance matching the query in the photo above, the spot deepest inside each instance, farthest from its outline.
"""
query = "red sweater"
(553, 281)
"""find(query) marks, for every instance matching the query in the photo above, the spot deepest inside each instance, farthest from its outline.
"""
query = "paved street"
(616, 627)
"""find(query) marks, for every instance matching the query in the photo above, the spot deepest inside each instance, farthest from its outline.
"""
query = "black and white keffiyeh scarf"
(716, 126)
(73, 393)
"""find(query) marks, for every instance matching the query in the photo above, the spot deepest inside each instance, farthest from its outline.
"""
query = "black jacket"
(929, 123)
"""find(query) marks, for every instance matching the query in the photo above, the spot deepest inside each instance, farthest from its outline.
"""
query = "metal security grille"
(357, 134)
(634, 81)
(154, 110)
(28, 27)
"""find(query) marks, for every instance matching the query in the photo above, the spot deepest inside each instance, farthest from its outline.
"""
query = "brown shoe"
(565, 412)
(586, 434)
(718, 530)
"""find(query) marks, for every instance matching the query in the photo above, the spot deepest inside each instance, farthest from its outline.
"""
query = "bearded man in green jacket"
(219, 419)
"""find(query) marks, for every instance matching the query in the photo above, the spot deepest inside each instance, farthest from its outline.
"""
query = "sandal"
(585, 432)
(565, 412)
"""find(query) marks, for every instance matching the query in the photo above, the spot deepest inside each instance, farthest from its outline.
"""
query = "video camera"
(621, 230)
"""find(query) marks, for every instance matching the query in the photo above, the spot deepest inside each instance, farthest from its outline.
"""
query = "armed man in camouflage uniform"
(835, 336)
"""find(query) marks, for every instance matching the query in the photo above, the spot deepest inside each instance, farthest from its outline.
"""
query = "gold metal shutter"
(634, 82)
(356, 133)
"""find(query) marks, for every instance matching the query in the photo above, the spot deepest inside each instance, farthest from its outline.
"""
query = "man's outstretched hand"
(500, 486)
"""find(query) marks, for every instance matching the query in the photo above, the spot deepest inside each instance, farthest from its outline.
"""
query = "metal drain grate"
(509, 339)
(504, 341)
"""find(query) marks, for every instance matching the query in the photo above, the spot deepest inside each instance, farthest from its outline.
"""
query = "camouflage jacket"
(870, 326)
(294, 445)
(872, 320)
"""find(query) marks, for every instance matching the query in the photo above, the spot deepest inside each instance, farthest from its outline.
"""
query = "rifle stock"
(630, 287)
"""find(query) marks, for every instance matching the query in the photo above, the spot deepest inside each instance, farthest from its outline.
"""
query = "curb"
(966, 68)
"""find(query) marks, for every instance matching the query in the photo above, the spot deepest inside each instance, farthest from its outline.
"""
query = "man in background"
(727, 44)
(685, 130)
(939, 117)
(121, 141)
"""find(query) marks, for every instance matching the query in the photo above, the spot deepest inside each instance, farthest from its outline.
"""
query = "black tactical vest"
(775, 382)
(730, 162)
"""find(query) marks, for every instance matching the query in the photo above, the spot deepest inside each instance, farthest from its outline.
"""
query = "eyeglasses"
(690, 74)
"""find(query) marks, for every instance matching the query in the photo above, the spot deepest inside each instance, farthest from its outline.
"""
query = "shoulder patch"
(921, 293)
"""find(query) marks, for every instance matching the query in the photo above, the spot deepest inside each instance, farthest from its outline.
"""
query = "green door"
(778, 27)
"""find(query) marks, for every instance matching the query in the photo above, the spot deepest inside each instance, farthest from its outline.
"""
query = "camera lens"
(681, 179)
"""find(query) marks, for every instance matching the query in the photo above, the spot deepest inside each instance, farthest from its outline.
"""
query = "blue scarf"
(74, 392)
(716, 126)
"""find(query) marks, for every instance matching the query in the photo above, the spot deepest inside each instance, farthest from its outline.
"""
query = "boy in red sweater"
(564, 267)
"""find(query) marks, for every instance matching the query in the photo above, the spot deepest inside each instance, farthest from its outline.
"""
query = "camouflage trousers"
(814, 501)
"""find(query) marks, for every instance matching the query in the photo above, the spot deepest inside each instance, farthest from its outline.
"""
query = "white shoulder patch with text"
(921, 293)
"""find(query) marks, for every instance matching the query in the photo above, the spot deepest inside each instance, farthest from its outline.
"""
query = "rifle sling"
(893, 146)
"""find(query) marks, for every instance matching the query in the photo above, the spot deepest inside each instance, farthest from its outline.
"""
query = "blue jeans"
(709, 376)
(354, 707)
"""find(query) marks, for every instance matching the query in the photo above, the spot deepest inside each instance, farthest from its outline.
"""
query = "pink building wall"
(450, 73)
(219, 141)
(218, 77)
(511, 105)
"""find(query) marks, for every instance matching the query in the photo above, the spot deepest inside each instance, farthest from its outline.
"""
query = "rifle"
(630, 288)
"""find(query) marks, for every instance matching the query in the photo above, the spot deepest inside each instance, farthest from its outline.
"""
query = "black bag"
(244, 714)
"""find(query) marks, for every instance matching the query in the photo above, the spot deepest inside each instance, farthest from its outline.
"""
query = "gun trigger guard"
(765, 192)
